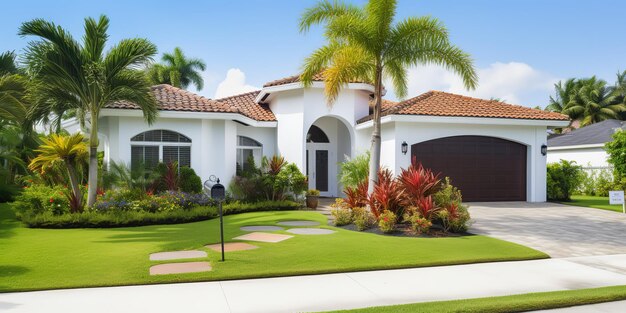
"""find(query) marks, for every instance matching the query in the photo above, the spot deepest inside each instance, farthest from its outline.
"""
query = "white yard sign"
(617, 197)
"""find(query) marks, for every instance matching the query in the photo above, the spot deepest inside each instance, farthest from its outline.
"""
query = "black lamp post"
(544, 149)
(405, 147)
(218, 192)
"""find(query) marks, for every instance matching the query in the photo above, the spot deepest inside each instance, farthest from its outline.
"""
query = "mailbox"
(218, 192)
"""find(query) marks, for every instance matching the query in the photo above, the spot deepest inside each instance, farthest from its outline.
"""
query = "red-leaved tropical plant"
(453, 210)
(170, 177)
(356, 197)
(426, 207)
(417, 182)
(275, 164)
(387, 195)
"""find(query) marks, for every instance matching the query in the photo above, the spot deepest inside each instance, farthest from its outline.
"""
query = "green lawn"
(594, 202)
(506, 304)
(34, 259)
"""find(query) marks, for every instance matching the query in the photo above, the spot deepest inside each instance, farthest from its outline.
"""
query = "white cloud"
(512, 82)
(233, 84)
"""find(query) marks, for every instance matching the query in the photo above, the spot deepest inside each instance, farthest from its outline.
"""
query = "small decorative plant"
(419, 225)
(362, 218)
(343, 216)
(312, 198)
(387, 221)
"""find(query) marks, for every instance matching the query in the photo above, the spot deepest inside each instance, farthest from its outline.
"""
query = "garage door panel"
(483, 168)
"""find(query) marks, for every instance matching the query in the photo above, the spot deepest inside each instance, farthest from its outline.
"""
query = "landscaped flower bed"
(417, 202)
(139, 196)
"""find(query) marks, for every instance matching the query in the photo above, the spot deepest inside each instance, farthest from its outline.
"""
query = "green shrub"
(454, 218)
(108, 219)
(563, 178)
(39, 199)
(419, 225)
(189, 181)
(354, 171)
(616, 150)
(447, 194)
(387, 221)
(363, 218)
(274, 180)
(343, 216)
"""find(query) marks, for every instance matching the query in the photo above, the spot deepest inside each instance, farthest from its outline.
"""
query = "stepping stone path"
(263, 237)
(310, 231)
(298, 223)
(174, 255)
(179, 268)
(232, 246)
(261, 228)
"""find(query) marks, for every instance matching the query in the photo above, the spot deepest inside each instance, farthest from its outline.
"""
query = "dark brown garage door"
(483, 168)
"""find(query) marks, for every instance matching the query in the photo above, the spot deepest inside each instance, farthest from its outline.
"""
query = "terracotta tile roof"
(386, 105)
(170, 98)
(294, 79)
(439, 103)
(245, 104)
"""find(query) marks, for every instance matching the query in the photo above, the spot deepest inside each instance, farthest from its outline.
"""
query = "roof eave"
(191, 115)
(464, 120)
(266, 91)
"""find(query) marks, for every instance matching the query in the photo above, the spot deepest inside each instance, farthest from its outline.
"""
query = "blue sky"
(520, 47)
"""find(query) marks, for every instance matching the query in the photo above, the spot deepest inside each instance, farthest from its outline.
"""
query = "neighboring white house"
(492, 150)
(584, 145)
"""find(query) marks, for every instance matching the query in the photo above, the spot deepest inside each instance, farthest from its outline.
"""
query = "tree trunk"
(74, 183)
(93, 161)
(375, 146)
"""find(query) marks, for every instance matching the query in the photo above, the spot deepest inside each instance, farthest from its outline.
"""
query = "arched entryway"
(328, 141)
(483, 168)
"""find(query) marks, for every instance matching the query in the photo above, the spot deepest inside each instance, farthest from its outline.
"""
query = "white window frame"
(256, 149)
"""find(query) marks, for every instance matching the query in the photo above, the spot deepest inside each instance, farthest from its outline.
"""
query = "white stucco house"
(585, 145)
(491, 150)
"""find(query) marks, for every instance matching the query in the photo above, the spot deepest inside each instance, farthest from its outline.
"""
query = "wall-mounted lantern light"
(405, 147)
(544, 149)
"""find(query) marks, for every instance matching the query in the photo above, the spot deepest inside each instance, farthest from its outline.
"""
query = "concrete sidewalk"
(333, 291)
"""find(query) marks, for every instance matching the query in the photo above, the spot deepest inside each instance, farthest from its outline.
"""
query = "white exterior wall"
(531, 136)
(213, 142)
(589, 158)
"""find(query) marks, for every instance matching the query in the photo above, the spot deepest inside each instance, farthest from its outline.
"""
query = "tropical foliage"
(275, 179)
(177, 70)
(590, 100)
(563, 179)
(68, 74)
(417, 197)
(68, 152)
(367, 44)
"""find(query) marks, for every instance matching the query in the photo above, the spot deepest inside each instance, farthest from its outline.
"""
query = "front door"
(317, 168)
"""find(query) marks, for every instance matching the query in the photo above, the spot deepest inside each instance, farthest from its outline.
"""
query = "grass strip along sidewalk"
(507, 304)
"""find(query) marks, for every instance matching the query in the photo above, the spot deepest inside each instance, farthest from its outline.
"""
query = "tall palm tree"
(83, 77)
(71, 151)
(178, 70)
(565, 92)
(366, 44)
(597, 102)
(7, 63)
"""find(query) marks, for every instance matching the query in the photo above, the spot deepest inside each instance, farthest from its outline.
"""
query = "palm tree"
(7, 63)
(71, 151)
(565, 94)
(366, 44)
(597, 102)
(85, 78)
(178, 70)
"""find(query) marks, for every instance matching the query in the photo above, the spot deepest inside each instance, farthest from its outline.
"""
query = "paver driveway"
(558, 230)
